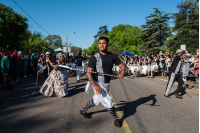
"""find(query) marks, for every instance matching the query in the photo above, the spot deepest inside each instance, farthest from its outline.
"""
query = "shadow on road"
(76, 89)
(129, 108)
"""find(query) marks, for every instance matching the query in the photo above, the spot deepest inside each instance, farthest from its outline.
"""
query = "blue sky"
(62, 17)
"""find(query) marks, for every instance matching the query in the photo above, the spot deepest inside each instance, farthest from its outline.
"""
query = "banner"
(64, 49)
(69, 50)
(183, 47)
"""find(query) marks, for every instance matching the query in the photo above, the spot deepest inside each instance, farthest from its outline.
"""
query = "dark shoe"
(85, 115)
(167, 96)
(117, 123)
(152, 77)
(178, 96)
(78, 81)
(196, 83)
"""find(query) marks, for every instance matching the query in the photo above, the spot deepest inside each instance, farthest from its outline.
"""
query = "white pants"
(78, 72)
(105, 99)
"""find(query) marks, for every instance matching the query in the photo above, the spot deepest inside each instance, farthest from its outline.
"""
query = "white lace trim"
(55, 86)
(53, 76)
(60, 86)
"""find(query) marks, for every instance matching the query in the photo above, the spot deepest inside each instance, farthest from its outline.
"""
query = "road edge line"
(125, 125)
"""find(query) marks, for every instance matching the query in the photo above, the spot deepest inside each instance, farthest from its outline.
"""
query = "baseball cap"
(48, 52)
(179, 51)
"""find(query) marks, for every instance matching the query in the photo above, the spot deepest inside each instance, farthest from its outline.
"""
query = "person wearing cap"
(46, 63)
(79, 60)
(174, 74)
(57, 82)
(5, 69)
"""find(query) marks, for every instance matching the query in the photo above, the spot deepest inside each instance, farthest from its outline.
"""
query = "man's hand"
(98, 89)
(120, 76)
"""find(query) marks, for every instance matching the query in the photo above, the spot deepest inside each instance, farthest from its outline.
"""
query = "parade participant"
(57, 82)
(149, 70)
(79, 60)
(40, 66)
(102, 62)
(174, 74)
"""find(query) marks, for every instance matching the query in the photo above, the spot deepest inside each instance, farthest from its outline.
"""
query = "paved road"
(141, 102)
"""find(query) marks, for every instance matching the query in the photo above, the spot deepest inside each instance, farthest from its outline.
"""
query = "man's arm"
(42, 69)
(184, 56)
(90, 78)
(123, 70)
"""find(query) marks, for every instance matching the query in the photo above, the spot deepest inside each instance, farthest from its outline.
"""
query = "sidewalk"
(3, 86)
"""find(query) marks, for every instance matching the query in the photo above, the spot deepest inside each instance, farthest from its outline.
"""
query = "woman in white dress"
(57, 82)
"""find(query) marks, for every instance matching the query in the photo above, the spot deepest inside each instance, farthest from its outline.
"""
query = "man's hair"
(107, 40)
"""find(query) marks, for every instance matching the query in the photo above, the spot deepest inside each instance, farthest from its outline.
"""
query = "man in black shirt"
(174, 74)
(102, 62)
(79, 60)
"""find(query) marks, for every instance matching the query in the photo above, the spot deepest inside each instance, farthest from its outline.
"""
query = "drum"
(154, 68)
(154, 63)
(134, 69)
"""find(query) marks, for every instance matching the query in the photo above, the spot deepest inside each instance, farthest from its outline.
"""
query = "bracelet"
(123, 70)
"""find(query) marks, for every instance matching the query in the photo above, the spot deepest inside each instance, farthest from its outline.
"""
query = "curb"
(3, 87)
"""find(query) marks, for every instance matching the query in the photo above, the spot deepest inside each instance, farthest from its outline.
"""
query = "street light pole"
(67, 41)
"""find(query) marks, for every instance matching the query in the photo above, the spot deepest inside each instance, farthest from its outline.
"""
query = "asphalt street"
(141, 102)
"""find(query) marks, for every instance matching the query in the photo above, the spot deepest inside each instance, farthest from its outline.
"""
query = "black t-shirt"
(79, 60)
(174, 64)
(107, 64)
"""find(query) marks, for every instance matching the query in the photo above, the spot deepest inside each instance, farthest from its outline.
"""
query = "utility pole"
(67, 41)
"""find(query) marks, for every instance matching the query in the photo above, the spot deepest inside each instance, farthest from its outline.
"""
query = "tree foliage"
(102, 31)
(155, 32)
(125, 36)
(55, 40)
(122, 37)
(186, 25)
(75, 50)
(14, 32)
(13, 27)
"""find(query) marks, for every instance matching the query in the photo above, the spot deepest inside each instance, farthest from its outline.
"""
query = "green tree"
(102, 31)
(187, 25)
(34, 42)
(125, 36)
(13, 27)
(116, 49)
(155, 32)
(75, 50)
(55, 40)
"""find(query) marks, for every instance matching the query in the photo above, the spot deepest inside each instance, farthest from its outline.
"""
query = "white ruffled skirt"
(53, 87)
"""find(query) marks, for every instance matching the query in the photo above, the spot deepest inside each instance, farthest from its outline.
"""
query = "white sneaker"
(184, 79)
(25, 76)
(11, 81)
(18, 78)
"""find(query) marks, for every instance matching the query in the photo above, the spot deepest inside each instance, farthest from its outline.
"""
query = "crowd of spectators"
(190, 66)
(15, 65)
